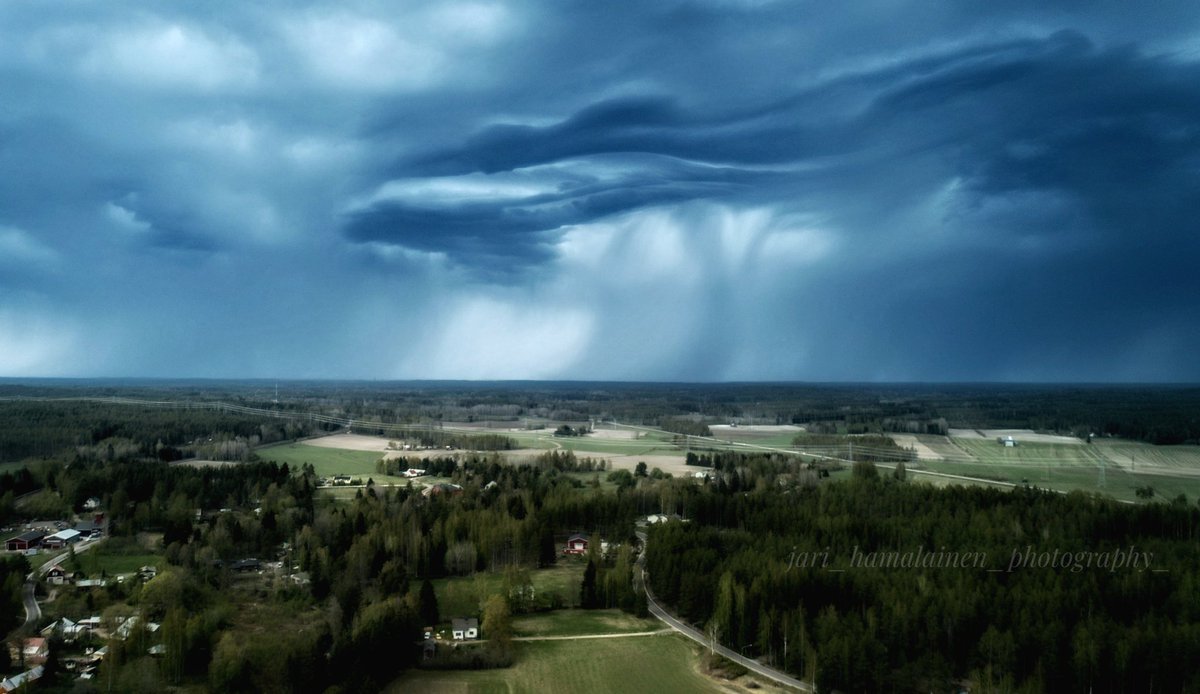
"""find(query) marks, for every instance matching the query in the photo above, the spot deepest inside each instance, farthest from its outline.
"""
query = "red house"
(576, 544)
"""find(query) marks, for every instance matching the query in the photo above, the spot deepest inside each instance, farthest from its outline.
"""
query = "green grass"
(665, 664)
(10, 467)
(461, 596)
(328, 462)
(93, 563)
(578, 622)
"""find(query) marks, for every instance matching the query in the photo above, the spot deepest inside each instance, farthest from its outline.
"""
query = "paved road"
(696, 635)
(33, 611)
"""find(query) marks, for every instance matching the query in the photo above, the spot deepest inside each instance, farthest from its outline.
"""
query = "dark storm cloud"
(514, 229)
(996, 190)
(1111, 128)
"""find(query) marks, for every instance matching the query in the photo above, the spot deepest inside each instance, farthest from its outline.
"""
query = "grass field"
(461, 596)
(661, 664)
(328, 462)
(94, 562)
(579, 622)
(10, 467)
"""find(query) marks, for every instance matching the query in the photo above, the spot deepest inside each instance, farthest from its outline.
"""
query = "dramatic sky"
(666, 190)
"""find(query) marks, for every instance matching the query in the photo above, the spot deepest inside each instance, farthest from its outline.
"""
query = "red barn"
(576, 544)
(25, 541)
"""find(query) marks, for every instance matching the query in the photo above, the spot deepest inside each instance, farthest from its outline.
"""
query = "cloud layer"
(683, 190)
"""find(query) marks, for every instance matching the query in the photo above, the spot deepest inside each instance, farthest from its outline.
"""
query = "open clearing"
(666, 663)
(581, 622)
(461, 596)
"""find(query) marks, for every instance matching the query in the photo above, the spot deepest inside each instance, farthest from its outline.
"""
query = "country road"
(699, 637)
(33, 611)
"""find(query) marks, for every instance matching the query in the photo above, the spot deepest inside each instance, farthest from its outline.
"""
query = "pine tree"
(429, 604)
(587, 590)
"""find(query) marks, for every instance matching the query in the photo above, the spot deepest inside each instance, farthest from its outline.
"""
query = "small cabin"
(576, 544)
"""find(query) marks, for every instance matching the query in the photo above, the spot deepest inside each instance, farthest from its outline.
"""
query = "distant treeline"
(45, 429)
(1156, 414)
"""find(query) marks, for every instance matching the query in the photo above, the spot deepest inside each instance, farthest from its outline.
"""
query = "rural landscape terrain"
(587, 537)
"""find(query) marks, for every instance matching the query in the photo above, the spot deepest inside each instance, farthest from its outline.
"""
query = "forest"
(857, 626)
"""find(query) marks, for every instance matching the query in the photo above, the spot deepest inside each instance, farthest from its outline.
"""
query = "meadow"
(662, 664)
(460, 596)
(328, 462)
(573, 622)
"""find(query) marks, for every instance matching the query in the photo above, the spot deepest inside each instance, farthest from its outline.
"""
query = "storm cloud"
(684, 191)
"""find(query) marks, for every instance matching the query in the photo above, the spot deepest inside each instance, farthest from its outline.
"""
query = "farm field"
(1170, 470)
(666, 663)
(328, 462)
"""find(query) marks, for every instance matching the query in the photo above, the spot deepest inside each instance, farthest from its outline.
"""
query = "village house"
(576, 544)
(464, 629)
(57, 575)
(31, 539)
(16, 682)
(35, 650)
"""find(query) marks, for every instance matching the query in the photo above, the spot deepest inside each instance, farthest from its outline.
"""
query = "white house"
(463, 629)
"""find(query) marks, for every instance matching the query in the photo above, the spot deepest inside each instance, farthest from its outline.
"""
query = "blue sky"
(710, 190)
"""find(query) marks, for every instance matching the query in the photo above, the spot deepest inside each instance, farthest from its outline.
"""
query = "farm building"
(576, 544)
(1006, 441)
(61, 539)
(24, 541)
(464, 629)
(89, 529)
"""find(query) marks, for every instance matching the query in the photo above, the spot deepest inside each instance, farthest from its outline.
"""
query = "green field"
(660, 664)
(579, 622)
(461, 596)
(10, 467)
(328, 462)
(1171, 471)
(95, 562)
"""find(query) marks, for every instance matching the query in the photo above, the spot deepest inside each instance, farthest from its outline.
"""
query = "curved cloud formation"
(685, 190)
